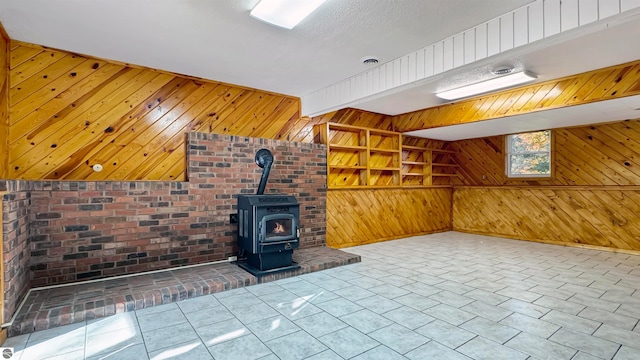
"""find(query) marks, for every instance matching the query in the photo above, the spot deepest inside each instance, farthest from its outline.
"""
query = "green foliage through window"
(529, 154)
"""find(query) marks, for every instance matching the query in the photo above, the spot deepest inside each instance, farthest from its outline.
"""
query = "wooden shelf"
(354, 167)
(347, 147)
(411, 147)
(380, 150)
(382, 132)
(384, 169)
(379, 157)
(390, 187)
(336, 126)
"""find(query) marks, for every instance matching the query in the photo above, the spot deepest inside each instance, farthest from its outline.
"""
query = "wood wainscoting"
(357, 217)
(604, 217)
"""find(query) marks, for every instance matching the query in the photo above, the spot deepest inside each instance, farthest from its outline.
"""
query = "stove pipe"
(264, 159)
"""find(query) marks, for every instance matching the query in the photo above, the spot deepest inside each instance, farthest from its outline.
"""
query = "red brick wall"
(87, 230)
(222, 166)
(15, 219)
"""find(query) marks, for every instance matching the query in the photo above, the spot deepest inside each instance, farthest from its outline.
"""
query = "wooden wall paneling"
(155, 124)
(298, 129)
(99, 111)
(613, 157)
(44, 94)
(20, 54)
(602, 84)
(604, 217)
(579, 154)
(366, 216)
(78, 129)
(145, 138)
(597, 155)
(4, 102)
(46, 76)
(27, 69)
(60, 105)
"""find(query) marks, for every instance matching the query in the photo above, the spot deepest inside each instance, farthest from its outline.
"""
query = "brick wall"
(15, 211)
(221, 167)
(88, 230)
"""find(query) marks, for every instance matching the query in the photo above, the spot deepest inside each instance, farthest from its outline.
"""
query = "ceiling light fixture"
(488, 85)
(284, 13)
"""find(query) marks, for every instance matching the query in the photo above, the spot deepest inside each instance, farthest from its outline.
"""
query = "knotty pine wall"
(370, 215)
(4, 101)
(592, 200)
(68, 112)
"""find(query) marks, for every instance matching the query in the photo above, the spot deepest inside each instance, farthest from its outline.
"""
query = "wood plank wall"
(596, 155)
(606, 218)
(68, 112)
(365, 216)
(602, 84)
(4, 102)
(592, 200)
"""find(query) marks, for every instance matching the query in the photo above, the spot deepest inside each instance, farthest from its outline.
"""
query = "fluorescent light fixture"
(488, 85)
(285, 13)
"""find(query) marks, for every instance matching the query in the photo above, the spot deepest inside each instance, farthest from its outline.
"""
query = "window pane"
(529, 164)
(530, 142)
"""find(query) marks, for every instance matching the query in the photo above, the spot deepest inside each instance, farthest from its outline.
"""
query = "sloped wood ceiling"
(603, 84)
(68, 112)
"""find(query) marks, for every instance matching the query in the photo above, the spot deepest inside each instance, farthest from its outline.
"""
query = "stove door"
(278, 227)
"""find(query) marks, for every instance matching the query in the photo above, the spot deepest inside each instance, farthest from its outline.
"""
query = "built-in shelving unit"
(364, 157)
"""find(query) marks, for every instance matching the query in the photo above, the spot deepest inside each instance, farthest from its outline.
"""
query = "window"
(529, 154)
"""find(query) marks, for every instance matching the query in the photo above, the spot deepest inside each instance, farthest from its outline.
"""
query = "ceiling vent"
(502, 70)
(370, 60)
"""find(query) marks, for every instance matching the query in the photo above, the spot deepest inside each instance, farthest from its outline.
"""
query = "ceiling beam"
(598, 85)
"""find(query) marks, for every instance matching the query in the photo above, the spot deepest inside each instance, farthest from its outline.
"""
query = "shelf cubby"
(361, 157)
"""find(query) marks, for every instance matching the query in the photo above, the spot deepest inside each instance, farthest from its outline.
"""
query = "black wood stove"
(267, 226)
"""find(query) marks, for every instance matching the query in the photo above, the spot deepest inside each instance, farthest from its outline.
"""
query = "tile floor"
(52, 307)
(440, 296)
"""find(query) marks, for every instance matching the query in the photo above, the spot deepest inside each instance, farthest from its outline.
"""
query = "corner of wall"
(4, 102)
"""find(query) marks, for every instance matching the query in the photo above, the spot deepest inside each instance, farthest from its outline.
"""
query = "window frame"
(508, 153)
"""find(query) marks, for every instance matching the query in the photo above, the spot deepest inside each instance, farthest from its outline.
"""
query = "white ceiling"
(218, 40)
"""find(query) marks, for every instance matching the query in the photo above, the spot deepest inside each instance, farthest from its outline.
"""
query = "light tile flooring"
(441, 296)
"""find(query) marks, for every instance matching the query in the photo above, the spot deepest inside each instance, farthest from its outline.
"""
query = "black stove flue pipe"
(264, 159)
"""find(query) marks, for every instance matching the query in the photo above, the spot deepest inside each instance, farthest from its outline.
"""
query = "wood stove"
(268, 226)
